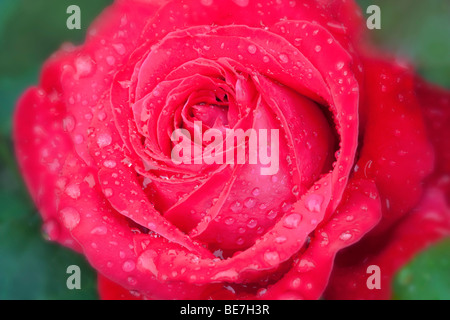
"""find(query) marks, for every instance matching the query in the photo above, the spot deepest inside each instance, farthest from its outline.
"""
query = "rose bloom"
(364, 156)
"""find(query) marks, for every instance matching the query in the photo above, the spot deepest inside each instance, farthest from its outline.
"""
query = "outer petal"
(435, 104)
(359, 212)
(45, 133)
(426, 224)
(42, 146)
(395, 149)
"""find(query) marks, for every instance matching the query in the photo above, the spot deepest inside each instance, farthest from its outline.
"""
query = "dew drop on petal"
(272, 214)
(108, 192)
(104, 139)
(128, 266)
(256, 192)
(229, 221)
(100, 230)
(109, 164)
(252, 223)
(236, 207)
(70, 217)
(295, 283)
(345, 236)
(120, 48)
(73, 191)
(206, 2)
(284, 58)
(292, 221)
(241, 3)
(252, 49)
(305, 265)
(313, 202)
(84, 66)
(280, 239)
(78, 139)
(272, 258)
(101, 115)
(69, 123)
(249, 202)
(110, 60)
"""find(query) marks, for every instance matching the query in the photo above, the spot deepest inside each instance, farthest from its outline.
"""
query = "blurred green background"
(30, 30)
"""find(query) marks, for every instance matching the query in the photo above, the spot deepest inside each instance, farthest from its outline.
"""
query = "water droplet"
(285, 207)
(272, 258)
(280, 239)
(84, 66)
(284, 58)
(128, 266)
(345, 236)
(272, 215)
(252, 223)
(236, 207)
(295, 283)
(249, 202)
(206, 2)
(103, 140)
(313, 202)
(110, 164)
(295, 190)
(73, 191)
(110, 60)
(256, 192)
(78, 139)
(132, 281)
(340, 65)
(101, 230)
(305, 265)
(70, 217)
(318, 48)
(241, 3)
(266, 59)
(69, 123)
(292, 221)
(240, 241)
(101, 115)
(108, 192)
(146, 262)
(252, 49)
(349, 218)
(120, 48)
(229, 221)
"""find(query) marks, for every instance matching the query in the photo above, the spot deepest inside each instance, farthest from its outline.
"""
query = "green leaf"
(32, 268)
(416, 30)
(427, 276)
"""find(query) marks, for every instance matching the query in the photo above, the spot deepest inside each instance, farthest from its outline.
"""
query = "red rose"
(360, 156)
